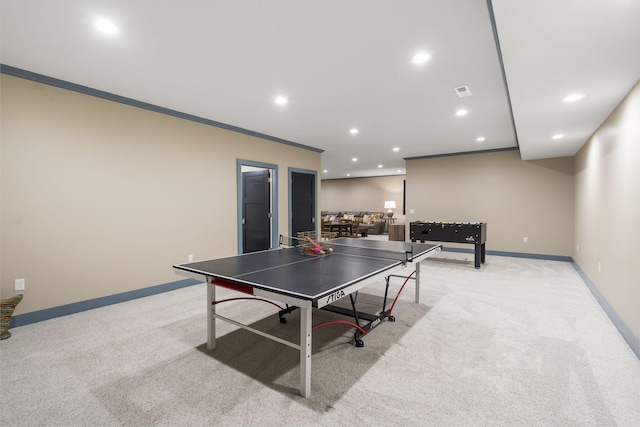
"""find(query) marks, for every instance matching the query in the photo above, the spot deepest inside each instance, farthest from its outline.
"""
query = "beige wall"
(607, 205)
(100, 198)
(362, 194)
(516, 198)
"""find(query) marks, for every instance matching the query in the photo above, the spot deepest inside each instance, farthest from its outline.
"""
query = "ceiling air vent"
(463, 91)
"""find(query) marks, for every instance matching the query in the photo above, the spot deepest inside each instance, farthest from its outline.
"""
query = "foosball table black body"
(474, 233)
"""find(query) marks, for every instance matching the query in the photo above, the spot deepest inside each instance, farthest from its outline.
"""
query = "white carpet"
(518, 342)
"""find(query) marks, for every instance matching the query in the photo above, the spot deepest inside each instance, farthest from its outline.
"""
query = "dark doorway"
(303, 202)
(256, 211)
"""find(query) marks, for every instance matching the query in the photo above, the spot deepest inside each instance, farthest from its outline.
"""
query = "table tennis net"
(307, 243)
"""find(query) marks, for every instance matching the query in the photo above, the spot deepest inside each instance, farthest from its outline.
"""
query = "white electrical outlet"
(18, 285)
(599, 268)
(190, 258)
(525, 239)
(412, 211)
(577, 248)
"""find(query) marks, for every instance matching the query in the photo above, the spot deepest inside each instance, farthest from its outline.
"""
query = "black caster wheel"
(283, 320)
(392, 319)
(359, 343)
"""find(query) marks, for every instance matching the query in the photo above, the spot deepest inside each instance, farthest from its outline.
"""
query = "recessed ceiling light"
(420, 58)
(480, 138)
(354, 131)
(379, 166)
(399, 171)
(396, 149)
(105, 26)
(280, 100)
(355, 159)
(324, 171)
(574, 97)
(348, 174)
(558, 136)
(461, 113)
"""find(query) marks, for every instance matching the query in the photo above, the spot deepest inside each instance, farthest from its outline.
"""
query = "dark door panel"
(303, 208)
(256, 229)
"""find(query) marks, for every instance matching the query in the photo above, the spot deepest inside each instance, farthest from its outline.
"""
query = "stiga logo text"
(335, 296)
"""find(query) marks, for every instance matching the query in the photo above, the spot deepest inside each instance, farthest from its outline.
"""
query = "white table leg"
(305, 351)
(211, 319)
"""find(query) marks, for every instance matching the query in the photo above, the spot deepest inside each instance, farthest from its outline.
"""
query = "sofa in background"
(369, 222)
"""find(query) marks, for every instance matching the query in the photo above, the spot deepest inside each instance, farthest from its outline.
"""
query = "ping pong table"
(306, 282)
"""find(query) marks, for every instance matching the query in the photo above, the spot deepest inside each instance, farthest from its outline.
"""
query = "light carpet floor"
(518, 342)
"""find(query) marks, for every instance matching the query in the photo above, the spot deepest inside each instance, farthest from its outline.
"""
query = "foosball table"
(474, 233)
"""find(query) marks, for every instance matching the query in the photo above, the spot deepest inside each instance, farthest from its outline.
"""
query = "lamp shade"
(390, 204)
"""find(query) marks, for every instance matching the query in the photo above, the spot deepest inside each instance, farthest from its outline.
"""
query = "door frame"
(315, 201)
(273, 196)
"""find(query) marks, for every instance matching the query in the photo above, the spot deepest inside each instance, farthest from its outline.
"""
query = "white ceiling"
(345, 64)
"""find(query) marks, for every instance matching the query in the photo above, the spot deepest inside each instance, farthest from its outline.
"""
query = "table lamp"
(390, 204)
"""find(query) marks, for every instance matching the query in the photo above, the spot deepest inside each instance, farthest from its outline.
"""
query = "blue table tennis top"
(289, 272)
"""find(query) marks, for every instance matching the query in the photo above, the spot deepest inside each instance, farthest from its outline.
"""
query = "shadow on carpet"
(337, 364)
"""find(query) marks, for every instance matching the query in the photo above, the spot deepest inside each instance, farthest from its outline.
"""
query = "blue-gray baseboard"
(625, 331)
(513, 254)
(76, 307)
